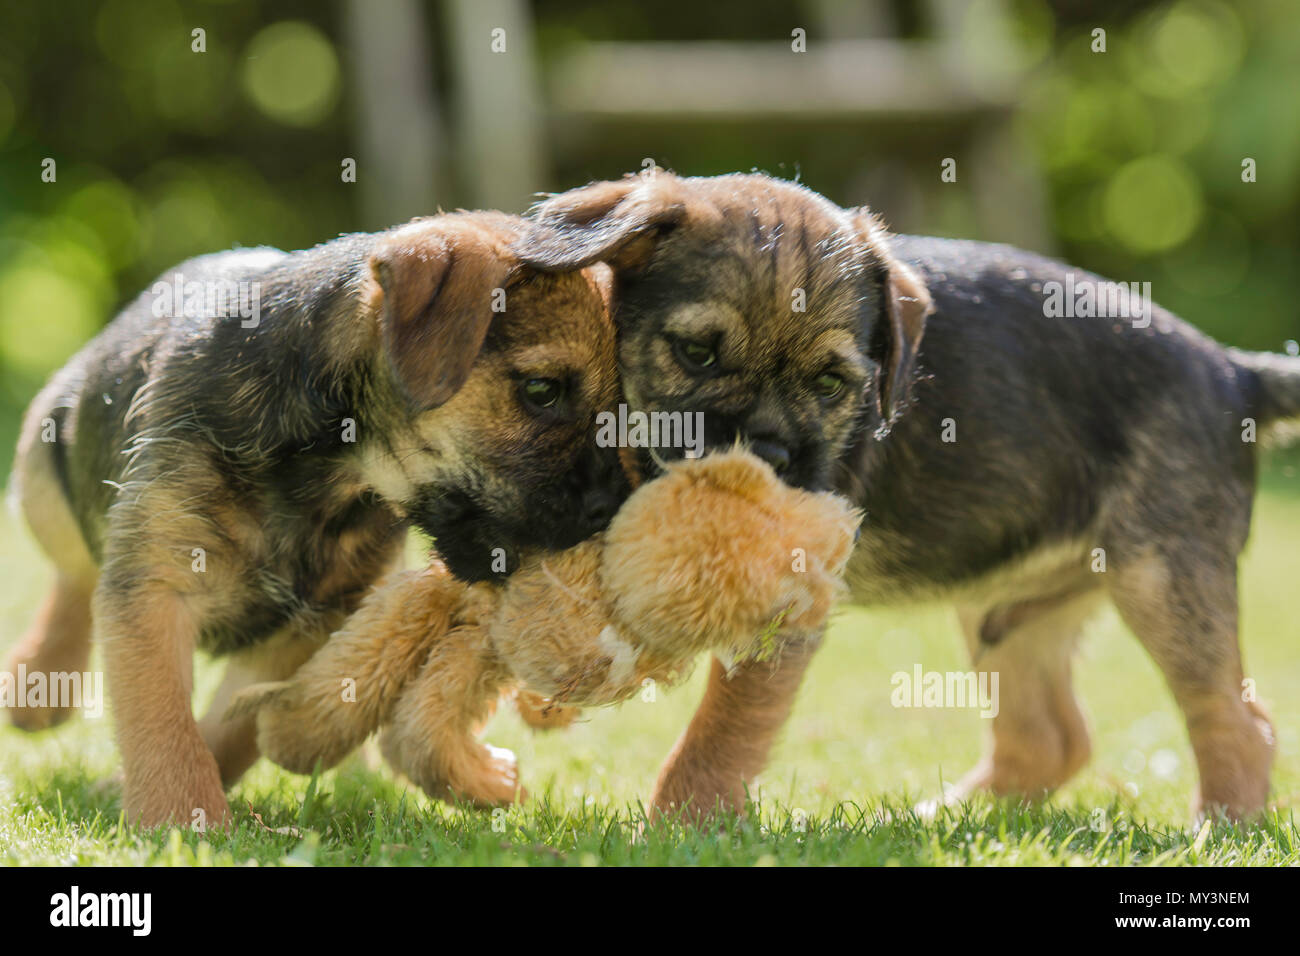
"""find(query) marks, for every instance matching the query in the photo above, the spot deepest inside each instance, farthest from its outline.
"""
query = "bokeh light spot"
(291, 73)
(1190, 46)
(1152, 204)
(45, 316)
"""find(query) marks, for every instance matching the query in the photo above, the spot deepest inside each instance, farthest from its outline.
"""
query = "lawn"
(837, 791)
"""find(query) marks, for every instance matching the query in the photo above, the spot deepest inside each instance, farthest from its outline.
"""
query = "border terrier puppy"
(235, 483)
(1003, 457)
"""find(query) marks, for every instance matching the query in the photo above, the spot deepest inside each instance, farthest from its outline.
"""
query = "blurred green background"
(1127, 161)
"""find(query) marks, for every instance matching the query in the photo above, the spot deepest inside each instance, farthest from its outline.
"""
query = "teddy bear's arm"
(346, 690)
(432, 734)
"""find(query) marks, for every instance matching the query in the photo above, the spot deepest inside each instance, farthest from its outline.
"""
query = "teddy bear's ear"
(737, 471)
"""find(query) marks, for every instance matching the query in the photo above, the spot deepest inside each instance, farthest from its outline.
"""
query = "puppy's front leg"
(728, 740)
(149, 634)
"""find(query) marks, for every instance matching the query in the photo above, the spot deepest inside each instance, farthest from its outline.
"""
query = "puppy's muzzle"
(598, 507)
(773, 452)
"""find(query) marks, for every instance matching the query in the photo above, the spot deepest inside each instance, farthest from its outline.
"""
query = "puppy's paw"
(32, 719)
(189, 794)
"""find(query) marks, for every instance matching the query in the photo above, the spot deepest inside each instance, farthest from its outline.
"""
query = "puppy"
(235, 483)
(1003, 458)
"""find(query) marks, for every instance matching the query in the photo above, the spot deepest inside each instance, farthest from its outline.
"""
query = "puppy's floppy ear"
(615, 222)
(434, 283)
(900, 325)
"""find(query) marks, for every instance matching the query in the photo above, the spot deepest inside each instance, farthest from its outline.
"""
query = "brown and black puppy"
(236, 482)
(782, 318)
(997, 453)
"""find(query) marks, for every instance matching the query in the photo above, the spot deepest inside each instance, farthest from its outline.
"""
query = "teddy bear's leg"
(432, 735)
(344, 692)
(233, 741)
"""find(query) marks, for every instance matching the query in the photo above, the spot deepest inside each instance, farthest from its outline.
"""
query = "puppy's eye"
(697, 356)
(541, 392)
(828, 385)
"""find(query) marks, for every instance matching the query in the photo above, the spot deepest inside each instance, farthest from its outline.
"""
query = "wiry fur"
(202, 490)
(1072, 434)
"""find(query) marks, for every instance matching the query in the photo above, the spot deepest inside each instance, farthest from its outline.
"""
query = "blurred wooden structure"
(507, 108)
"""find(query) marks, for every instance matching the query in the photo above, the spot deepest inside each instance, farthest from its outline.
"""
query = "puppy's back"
(1030, 421)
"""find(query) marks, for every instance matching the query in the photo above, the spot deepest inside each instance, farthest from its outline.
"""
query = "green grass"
(838, 789)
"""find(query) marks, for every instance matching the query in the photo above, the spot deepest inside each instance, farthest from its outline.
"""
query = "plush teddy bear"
(716, 554)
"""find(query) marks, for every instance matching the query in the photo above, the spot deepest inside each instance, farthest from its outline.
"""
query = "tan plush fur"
(715, 555)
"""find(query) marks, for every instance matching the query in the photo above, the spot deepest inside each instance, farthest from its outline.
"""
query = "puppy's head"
(494, 373)
(778, 315)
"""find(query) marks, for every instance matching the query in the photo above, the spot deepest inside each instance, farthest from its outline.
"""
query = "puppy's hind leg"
(58, 641)
(434, 725)
(1181, 602)
(1039, 736)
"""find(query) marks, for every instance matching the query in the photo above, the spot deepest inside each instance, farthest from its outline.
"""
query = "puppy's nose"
(776, 455)
(598, 508)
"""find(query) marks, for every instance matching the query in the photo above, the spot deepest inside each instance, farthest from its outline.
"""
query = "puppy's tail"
(1276, 395)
